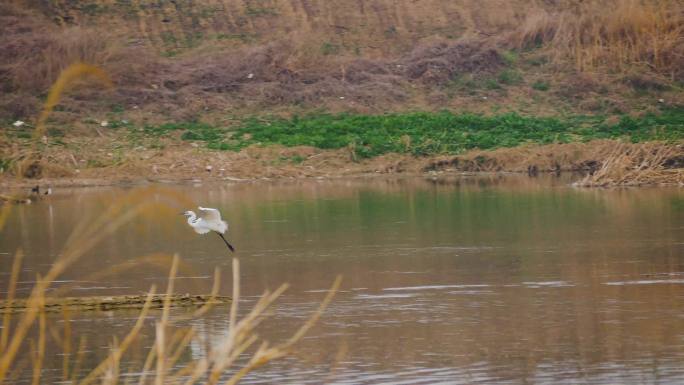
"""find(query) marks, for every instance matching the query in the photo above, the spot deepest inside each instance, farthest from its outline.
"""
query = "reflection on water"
(452, 281)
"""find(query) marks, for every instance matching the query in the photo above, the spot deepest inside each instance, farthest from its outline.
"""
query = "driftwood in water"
(116, 302)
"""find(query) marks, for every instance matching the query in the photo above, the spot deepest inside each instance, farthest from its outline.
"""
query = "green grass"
(426, 133)
(541, 85)
(5, 164)
(328, 48)
(191, 131)
(509, 57)
(260, 11)
(510, 77)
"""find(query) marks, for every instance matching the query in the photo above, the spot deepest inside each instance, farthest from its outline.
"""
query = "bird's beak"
(181, 213)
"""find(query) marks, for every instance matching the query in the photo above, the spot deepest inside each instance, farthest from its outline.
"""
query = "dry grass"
(183, 162)
(68, 76)
(36, 52)
(378, 56)
(605, 162)
(632, 165)
(546, 158)
(614, 34)
(171, 340)
(455, 62)
(29, 162)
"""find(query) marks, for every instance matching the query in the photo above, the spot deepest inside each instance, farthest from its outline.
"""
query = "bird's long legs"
(224, 240)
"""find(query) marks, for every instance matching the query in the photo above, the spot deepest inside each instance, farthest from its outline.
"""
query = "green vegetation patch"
(510, 77)
(190, 131)
(540, 85)
(328, 48)
(426, 133)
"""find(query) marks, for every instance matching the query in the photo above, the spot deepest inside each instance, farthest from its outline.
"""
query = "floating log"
(117, 302)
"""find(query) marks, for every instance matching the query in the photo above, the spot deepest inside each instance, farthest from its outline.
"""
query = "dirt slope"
(206, 59)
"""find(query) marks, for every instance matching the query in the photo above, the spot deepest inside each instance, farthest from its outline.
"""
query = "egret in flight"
(209, 220)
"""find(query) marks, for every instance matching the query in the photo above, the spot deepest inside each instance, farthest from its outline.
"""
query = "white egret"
(209, 220)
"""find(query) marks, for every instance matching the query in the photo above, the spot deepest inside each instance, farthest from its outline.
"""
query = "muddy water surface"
(484, 280)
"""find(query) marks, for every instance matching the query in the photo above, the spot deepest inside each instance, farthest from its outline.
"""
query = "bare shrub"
(438, 63)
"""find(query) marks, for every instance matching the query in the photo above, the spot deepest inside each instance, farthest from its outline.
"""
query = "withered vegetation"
(210, 64)
(235, 354)
(196, 59)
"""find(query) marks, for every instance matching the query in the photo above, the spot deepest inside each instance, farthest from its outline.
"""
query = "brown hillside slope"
(186, 60)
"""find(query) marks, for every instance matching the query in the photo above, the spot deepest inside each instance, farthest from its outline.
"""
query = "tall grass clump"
(231, 357)
(616, 34)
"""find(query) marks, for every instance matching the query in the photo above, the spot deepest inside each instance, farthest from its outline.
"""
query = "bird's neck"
(191, 218)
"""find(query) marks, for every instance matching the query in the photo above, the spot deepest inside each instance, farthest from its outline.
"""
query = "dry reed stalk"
(115, 355)
(160, 326)
(181, 345)
(635, 165)
(85, 237)
(11, 290)
(151, 356)
(4, 214)
(111, 372)
(166, 351)
(154, 260)
(76, 367)
(66, 79)
(39, 355)
(66, 344)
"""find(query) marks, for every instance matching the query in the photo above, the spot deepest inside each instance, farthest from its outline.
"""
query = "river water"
(457, 281)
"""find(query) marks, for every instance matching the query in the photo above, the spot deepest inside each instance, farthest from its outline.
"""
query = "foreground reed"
(231, 357)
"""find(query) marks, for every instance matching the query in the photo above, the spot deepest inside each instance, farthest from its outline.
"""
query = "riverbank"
(98, 162)
(624, 150)
(244, 102)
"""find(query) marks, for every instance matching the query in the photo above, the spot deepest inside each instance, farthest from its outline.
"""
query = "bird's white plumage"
(209, 220)
(201, 229)
(210, 214)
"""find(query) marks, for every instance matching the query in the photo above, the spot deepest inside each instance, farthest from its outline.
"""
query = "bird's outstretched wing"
(209, 214)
